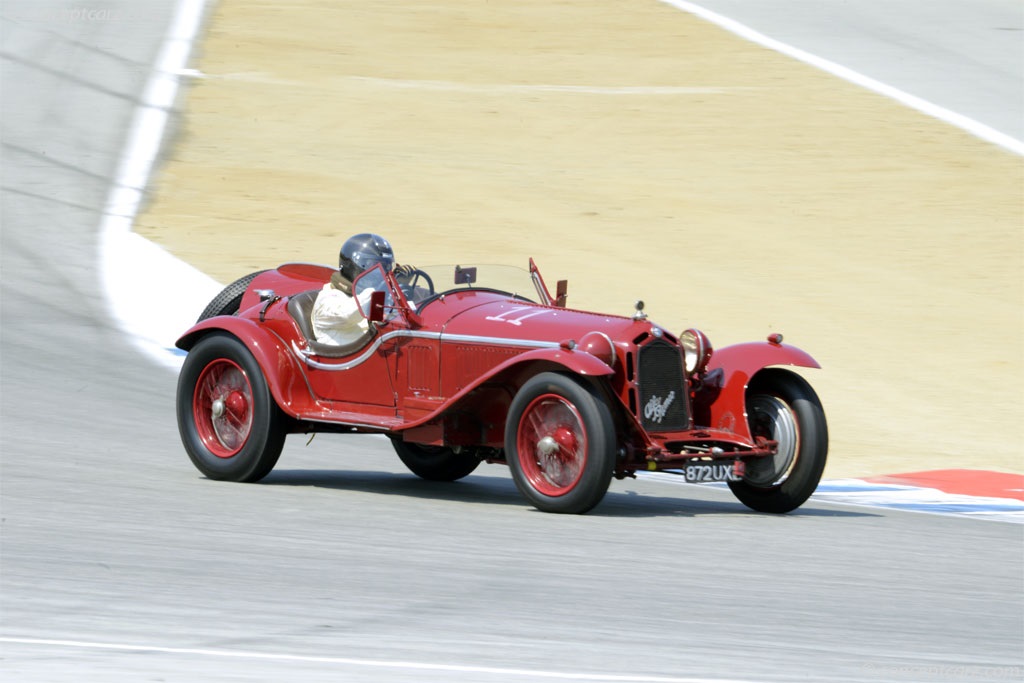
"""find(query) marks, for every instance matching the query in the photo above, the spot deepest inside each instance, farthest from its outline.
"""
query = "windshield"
(426, 283)
(420, 286)
(370, 281)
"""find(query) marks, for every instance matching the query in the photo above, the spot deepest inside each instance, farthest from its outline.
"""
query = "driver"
(336, 317)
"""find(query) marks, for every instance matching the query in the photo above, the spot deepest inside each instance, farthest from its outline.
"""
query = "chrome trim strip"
(502, 341)
(306, 356)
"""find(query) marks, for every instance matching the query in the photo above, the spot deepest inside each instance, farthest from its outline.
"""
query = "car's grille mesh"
(664, 404)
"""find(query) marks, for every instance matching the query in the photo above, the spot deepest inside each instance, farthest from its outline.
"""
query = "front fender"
(721, 401)
(541, 360)
(579, 362)
(284, 376)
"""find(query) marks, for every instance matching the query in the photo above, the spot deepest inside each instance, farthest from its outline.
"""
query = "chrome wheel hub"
(547, 447)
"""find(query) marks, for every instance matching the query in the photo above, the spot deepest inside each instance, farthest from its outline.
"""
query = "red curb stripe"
(966, 482)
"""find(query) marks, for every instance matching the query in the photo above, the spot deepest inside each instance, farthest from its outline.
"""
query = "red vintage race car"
(464, 365)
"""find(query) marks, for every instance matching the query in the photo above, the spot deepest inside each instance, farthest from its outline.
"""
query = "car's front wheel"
(782, 407)
(560, 443)
(229, 423)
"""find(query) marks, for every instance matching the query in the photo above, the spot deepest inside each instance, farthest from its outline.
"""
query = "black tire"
(229, 423)
(560, 443)
(783, 407)
(229, 299)
(436, 463)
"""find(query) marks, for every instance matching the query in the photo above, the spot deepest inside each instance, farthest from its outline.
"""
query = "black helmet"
(362, 252)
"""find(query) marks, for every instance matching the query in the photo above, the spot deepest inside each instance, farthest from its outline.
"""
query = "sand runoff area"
(641, 153)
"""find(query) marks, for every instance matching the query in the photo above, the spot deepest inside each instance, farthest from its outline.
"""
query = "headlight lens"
(696, 350)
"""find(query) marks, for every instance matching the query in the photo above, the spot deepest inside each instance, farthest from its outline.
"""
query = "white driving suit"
(336, 317)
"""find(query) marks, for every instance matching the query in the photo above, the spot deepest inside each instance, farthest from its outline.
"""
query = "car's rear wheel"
(229, 423)
(560, 444)
(782, 407)
(230, 298)
(436, 463)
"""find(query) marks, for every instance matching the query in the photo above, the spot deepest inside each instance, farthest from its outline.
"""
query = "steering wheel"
(414, 275)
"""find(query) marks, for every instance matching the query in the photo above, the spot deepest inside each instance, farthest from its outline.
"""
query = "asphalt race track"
(120, 563)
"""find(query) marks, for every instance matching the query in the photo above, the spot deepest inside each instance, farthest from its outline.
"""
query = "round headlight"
(599, 345)
(696, 350)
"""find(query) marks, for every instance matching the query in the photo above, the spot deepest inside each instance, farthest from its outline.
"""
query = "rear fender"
(287, 280)
(284, 377)
(721, 401)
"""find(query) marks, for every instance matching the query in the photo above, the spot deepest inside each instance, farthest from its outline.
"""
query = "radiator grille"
(664, 403)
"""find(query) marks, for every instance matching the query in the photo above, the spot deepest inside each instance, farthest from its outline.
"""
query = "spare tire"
(230, 298)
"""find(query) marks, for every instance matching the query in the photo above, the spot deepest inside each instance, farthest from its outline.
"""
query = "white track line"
(147, 289)
(531, 674)
(976, 128)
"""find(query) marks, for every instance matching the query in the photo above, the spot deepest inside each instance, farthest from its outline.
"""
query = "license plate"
(697, 473)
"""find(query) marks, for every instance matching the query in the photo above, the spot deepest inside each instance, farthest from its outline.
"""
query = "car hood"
(502, 317)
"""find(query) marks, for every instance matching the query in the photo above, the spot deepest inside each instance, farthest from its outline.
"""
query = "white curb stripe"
(860, 493)
(149, 291)
(919, 499)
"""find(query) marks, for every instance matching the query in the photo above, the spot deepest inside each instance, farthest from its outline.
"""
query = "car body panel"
(444, 370)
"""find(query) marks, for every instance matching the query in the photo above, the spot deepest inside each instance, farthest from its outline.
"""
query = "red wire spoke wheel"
(552, 445)
(222, 408)
(560, 443)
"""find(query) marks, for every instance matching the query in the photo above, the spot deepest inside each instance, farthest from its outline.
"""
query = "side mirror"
(465, 276)
(376, 307)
